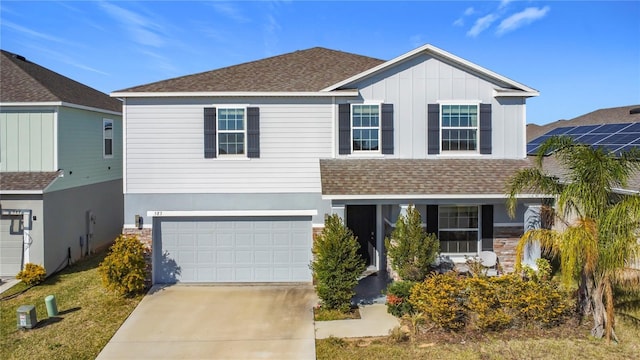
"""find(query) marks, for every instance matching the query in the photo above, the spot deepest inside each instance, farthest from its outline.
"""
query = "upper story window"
(365, 121)
(107, 138)
(231, 131)
(459, 128)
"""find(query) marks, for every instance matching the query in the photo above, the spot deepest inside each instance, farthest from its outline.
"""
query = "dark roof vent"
(20, 57)
(634, 111)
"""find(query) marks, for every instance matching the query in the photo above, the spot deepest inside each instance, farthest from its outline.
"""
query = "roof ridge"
(15, 57)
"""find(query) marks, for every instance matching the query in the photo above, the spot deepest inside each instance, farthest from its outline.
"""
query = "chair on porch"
(489, 262)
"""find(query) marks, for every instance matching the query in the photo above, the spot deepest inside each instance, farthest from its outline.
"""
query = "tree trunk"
(599, 311)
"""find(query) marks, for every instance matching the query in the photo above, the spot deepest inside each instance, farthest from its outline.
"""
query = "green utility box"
(27, 318)
(52, 308)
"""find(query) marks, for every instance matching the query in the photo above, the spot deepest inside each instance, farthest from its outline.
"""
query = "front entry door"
(361, 219)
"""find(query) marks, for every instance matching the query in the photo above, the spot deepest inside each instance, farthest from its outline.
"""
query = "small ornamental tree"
(124, 269)
(336, 265)
(411, 250)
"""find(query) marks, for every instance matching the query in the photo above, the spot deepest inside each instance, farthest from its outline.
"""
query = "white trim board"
(230, 213)
(427, 196)
(125, 94)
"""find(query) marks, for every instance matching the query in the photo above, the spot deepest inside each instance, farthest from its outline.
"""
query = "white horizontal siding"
(165, 149)
(412, 85)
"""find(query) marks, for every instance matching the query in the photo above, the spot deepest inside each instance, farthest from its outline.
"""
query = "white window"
(459, 128)
(365, 127)
(107, 138)
(231, 131)
(458, 229)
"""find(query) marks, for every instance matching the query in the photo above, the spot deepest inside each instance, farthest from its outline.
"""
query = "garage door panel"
(236, 250)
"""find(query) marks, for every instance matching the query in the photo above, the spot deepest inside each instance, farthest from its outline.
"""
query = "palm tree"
(596, 222)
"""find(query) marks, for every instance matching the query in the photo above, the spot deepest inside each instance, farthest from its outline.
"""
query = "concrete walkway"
(218, 322)
(7, 284)
(374, 321)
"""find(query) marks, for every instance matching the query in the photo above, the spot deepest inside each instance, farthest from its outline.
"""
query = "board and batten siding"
(80, 148)
(165, 147)
(26, 140)
(423, 80)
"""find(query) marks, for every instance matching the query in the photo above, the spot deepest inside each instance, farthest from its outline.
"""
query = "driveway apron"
(218, 322)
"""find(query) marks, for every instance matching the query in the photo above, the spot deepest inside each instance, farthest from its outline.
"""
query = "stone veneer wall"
(504, 245)
(145, 236)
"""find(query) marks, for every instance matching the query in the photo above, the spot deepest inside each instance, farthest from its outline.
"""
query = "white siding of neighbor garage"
(165, 147)
(232, 250)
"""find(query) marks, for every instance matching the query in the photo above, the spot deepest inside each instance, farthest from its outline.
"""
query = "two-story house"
(60, 167)
(228, 173)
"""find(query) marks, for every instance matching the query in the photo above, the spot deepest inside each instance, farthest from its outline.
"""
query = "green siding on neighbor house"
(26, 140)
(80, 148)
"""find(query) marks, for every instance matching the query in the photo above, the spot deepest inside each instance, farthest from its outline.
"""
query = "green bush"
(398, 298)
(336, 265)
(411, 250)
(483, 302)
(32, 274)
(124, 269)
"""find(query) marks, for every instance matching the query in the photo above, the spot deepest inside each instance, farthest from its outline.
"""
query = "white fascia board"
(236, 94)
(21, 192)
(59, 103)
(428, 48)
(427, 196)
(230, 213)
(514, 93)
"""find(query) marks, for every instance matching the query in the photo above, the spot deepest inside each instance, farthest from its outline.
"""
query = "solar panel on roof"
(616, 138)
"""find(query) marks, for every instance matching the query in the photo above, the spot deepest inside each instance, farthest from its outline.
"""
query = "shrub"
(439, 298)
(336, 265)
(124, 269)
(483, 301)
(32, 274)
(398, 298)
(410, 249)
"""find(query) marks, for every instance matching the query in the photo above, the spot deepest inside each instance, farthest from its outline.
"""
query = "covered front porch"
(460, 200)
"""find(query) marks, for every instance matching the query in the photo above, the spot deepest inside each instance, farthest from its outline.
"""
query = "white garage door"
(274, 249)
(10, 245)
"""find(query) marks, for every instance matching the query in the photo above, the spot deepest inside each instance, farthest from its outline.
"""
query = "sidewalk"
(7, 284)
(374, 321)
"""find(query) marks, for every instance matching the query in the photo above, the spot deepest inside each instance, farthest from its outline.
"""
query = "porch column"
(532, 220)
(338, 209)
(403, 209)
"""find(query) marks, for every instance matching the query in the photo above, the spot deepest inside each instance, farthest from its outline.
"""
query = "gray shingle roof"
(18, 181)
(417, 176)
(299, 71)
(24, 81)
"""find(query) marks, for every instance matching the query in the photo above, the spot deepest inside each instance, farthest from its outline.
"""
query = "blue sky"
(580, 55)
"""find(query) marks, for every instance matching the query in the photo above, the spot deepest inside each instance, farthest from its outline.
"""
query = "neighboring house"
(228, 173)
(60, 167)
(615, 129)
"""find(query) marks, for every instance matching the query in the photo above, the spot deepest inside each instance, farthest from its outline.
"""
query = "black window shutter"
(432, 219)
(253, 132)
(209, 133)
(433, 128)
(344, 129)
(487, 227)
(387, 128)
(485, 128)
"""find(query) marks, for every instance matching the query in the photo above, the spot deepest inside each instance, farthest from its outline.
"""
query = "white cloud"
(525, 17)
(33, 33)
(467, 12)
(231, 11)
(481, 25)
(143, 30)
(504, 3)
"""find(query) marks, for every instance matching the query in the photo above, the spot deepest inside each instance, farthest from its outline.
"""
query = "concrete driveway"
(218, 322)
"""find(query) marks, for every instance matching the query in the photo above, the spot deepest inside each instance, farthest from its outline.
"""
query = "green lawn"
(89, 316)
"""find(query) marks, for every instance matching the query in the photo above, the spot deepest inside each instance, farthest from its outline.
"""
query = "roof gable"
(25, 82)
(300, 71)
(506, 86)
